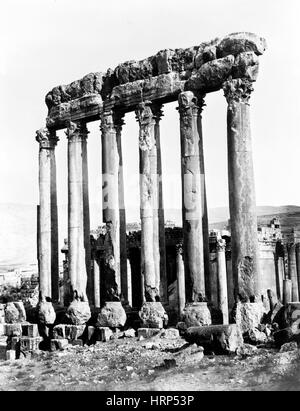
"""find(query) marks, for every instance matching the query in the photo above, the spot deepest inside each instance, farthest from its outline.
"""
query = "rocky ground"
(151, 364)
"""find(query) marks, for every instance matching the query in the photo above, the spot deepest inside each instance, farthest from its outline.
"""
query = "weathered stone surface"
(149, 77)
(246, 350)
(46, 313)
(217, 338)
(30, 330)
(15, 313)
(196, 314)
(292, 346)
(254, 336)
(236, 43)
(73, 332)
(59, 344)
(30, 343)
(104, 334)
(10, 355)
(249, 315)
(112, 315)
(171, 333)
(2, 330)
(130, 333)
(13, 330)
(78, 312)
(153, 315)
(59, 331)
(147, 332)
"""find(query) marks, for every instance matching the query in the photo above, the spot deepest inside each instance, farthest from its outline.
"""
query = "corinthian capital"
(145, 118)
(47, 138)
(221, 245)
(237, 90)
(190, 103)
(76, 131)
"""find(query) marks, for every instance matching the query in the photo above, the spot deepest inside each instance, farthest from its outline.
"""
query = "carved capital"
(145, 118)
(118, 119)
(107, 122)
(221, 245)
(179, 249)
(47, 138)
(77, 131)
(237, 90)
(157, 112)
(190, 103)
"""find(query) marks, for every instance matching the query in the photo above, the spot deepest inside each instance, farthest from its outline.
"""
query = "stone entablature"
(160, 78)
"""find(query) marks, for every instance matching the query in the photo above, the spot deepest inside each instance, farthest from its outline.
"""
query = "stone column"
(119, 122)
(243, 220)
(152, 312)
(159, 217)
(222, 280)
(86, 216)
(110, 205)
(298, 266)
(47, 226)
(180, 279)
(47, 236)
(292, 268)
(78, 311)
(96, 283)
(287, 291)
(129, 282)
(189, 110)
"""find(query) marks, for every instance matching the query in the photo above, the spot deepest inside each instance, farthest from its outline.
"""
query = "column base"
(153, 315)
(46, 313)
(249, 315)
(112, 315)
(78, 312)
(196, 314)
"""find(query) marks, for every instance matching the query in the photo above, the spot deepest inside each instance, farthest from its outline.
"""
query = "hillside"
(18, 227)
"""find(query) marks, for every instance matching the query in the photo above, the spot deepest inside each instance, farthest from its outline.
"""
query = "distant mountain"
(18, 226)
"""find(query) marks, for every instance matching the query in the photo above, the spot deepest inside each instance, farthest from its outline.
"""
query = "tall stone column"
(86, 216)
(48, 237)
(110, 205)
(159, 217)
(189, 110)
(78, 311)
(47, 225)
(96, 283)
(298, 266)
(180, 279)
(243, 220)
(292, 268)
(152, 313)
(222, 280)
(119, 122)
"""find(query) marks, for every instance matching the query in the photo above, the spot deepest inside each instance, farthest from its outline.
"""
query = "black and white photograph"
(149, 198)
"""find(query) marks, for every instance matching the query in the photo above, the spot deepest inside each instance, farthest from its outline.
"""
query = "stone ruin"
(186, 75)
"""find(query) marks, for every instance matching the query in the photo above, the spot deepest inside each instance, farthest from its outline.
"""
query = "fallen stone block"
(10, 355)
(30, 343)
(196, 314)
(220, 339)
(59, 331)
(112, 315)
(77, 342)
(46, 313)
(255, 337)
(292, 346)
(104, 334)
(14, 313)
(74, 332)
(153, 315)
(147, 332)
(30, 330)
(130, 333)
(171, 333)
(58, 344)
(246, 350)
(79, 312)
(248, 316)
(13, 330)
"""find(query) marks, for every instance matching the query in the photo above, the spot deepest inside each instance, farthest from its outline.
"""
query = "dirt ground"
(152, 364)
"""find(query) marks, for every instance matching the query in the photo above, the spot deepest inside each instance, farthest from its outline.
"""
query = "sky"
(44, 43)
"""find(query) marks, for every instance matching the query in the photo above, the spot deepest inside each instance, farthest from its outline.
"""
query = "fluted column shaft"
(242, 204)
(190, 110)
(47, 226)
(119, 122)
(148, 198)
(76, 134)
(292, 269)
(110, 205)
